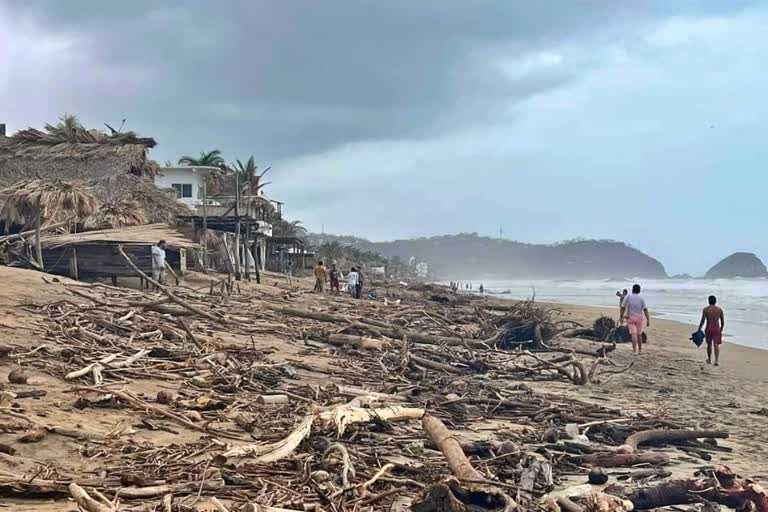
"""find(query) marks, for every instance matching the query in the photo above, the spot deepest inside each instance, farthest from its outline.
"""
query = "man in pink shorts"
(633, 309)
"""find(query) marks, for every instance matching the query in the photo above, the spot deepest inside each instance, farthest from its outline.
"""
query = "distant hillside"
(738, 264)
(469, 255)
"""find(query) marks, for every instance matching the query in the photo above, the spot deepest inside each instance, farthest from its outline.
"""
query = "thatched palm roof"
(50, 199)
(143, 235)
(116, 166)
(117, 215)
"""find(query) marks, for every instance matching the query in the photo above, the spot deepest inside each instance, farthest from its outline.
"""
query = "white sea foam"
(745, 301)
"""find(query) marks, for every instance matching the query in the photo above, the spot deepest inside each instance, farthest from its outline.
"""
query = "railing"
(255, 209)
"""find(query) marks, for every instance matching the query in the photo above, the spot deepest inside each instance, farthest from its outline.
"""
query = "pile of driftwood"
(604, 328)
(341, 405)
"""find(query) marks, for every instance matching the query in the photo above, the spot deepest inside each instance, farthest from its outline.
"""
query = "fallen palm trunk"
(647, 436)
(471, 492)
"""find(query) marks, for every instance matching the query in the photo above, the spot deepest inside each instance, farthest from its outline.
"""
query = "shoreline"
(668, 335)
(737, 329)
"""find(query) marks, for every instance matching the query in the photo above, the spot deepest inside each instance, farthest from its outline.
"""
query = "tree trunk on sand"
(470, 490)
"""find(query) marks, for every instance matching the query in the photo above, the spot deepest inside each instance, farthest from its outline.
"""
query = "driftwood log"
(85, 502)
(471, 491)
(615, 460)
(647, 436)
(722, 487)
(360, 342)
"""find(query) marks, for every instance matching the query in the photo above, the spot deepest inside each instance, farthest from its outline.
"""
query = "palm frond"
(53, 199)
(70, 130)
(205, 159)
(117, 215)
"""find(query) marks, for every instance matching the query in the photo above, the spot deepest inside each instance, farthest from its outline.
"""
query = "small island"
(738, 264)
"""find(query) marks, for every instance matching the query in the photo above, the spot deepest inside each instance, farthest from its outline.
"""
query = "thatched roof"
(134, 235)
(116, 166)
(117, 215)
(51, 199)
(21, 156)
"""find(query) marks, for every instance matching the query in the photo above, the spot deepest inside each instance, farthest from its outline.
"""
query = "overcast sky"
(643, 121)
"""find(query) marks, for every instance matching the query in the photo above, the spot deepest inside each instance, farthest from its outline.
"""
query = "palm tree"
(37, 200)
(208, 159)
(250, 180)
(331, 251)
(292, 229)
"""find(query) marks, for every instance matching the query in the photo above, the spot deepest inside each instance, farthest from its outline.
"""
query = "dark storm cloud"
(293, 77)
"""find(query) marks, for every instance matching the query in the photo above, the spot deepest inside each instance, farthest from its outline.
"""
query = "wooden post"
(205, 225)
(38, 243)
(238, 267)
(257, 260)
(246, 250)
(238, 274)
(73, 273)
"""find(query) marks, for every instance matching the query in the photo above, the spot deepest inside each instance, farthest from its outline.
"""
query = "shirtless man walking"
(713, 315)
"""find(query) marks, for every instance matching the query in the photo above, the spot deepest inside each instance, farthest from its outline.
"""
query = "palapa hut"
(95, 254)
(116, 165)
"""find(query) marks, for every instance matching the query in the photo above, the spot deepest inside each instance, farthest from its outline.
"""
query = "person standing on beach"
(334, 279)
(621, 295)
(158, 263)
(633, 309)
(715, 318)
(359, 292)
(352, 279)
(320, 277)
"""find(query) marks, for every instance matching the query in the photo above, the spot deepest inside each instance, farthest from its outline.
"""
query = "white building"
(187, 181)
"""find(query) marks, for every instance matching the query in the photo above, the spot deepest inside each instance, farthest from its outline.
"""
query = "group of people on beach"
(334, 276)
(456, 286)
(634, 311)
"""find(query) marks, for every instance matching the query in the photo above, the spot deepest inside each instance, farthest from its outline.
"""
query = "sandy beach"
(669, 381)
(672, 376)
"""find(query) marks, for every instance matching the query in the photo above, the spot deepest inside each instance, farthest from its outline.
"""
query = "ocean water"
(745, 301)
